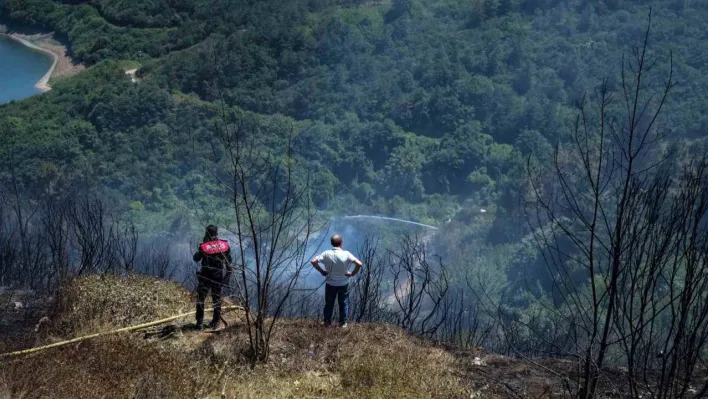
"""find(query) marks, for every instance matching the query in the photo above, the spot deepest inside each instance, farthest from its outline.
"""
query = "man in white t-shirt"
(336, 262)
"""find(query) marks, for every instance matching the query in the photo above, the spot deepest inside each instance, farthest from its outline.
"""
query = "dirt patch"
(131, 73)
(20, 312)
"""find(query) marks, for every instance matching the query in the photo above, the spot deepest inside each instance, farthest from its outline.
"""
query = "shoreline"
(43, 83)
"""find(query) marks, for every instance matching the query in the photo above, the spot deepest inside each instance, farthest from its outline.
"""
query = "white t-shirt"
(336, 262)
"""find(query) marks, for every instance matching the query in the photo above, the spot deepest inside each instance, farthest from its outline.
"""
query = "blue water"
(20, 69)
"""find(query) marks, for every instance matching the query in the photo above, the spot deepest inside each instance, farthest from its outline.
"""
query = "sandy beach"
(63, 65)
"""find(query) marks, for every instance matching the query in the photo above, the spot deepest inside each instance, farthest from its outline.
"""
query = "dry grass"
(307, 360)
(372, 361)
(102, 302)
(118, 367)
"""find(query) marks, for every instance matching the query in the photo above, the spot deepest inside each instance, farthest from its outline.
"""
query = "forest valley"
(553, 154)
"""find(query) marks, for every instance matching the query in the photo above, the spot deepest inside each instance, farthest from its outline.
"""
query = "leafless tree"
(662, 313)
(155, 260)
(61, 237)
(273, 221)
(91, 238)
(367, 304)
(419, 287)
(7, 249)
(622, 239)
(465, 324)
(125, 239)
(56, 225)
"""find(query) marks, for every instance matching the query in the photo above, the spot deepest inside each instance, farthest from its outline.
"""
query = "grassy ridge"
(366, 361)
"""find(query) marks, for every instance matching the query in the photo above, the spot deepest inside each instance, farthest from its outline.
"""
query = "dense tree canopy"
(386, 102)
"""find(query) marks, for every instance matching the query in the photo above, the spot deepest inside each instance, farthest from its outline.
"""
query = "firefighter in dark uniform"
(215, 255)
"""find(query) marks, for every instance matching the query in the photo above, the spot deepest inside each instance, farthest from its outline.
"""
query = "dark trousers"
(208, 284)
(341, 293)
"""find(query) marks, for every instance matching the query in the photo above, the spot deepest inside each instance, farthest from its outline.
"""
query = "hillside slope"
(365, 361)
(390, 104)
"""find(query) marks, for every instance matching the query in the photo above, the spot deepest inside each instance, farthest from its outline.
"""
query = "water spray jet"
(390, 219)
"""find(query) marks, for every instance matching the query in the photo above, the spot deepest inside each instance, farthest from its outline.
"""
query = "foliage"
(410, 99)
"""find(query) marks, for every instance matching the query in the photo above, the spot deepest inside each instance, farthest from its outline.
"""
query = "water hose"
(96, 335)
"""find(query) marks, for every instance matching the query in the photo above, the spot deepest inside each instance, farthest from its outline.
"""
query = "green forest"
(428, 111)
(422, 110)
(405, 108)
